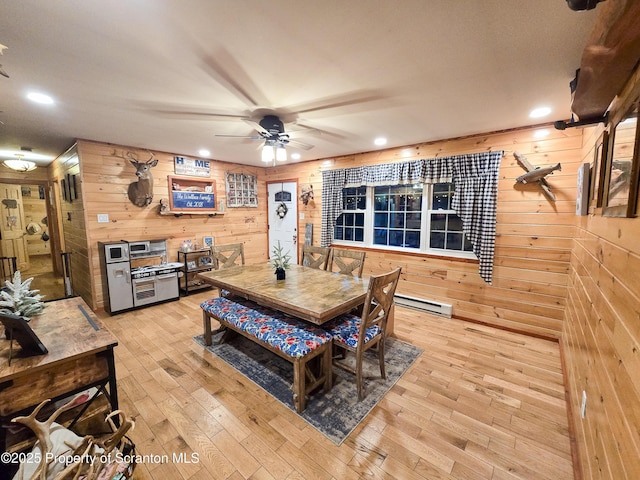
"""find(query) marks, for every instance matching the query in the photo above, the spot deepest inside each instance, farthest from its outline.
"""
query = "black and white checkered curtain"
(475, 177)
(333, 181)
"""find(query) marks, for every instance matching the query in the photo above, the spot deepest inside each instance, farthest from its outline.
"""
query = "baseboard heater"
(437, 308)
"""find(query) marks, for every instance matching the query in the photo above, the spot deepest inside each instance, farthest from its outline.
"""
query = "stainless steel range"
(127, 287)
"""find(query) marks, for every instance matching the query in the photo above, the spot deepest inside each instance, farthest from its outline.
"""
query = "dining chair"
(357, 334)
(225, 256)
(348, 262)
(315, 257)
(8, 266)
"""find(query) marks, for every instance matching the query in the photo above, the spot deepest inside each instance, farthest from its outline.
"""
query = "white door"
(12, 227)
(282, 208)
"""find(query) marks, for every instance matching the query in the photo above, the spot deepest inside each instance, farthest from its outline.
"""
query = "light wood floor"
(44, 280)
(480, 403)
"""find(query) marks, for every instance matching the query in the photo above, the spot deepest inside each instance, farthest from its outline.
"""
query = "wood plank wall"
(534, 239)
(601, 336)
(74, 234)
(532, 250)
(106, 176)
(535, 271)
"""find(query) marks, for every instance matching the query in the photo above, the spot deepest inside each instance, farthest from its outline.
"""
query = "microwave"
(116, 252)
(139, 248)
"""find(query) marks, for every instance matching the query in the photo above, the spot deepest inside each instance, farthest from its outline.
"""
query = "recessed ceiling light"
(380, 141)
(40, 98)
(540, 112)
(204, 152)
(295, 156)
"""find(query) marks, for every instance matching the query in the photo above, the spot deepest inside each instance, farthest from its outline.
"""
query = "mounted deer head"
(141, 192)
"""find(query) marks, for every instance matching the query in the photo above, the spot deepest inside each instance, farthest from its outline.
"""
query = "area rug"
(335, 413)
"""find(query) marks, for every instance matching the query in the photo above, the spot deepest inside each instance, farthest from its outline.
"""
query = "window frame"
(425, 229)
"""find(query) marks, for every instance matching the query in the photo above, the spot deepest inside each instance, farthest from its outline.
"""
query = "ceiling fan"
(223, 67)
(271, 129)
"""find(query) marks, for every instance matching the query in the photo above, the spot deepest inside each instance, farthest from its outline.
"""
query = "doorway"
(282, 210)
(25, 234)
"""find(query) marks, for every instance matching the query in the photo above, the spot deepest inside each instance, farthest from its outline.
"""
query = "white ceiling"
(169, 75)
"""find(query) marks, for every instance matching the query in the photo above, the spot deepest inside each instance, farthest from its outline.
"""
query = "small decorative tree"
(280, 261)
(16, 298)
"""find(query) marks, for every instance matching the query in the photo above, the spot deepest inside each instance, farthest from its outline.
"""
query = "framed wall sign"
(621, 180)
(191, 167)
(189, 194)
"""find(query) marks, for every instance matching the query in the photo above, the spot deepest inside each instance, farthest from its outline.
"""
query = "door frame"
(52, 215)
(284, 180)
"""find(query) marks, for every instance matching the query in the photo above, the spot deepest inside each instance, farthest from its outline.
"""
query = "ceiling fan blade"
(351, 99)
(322, 131)
(233, 77)
(256, 126)
(302, 133)
(252, 137)
(299, 144)
(188, 111)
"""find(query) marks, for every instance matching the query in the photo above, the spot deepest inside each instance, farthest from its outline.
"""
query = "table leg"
(113, 387)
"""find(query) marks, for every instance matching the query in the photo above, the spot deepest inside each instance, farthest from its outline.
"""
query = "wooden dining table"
(311, 294)
(80, 356)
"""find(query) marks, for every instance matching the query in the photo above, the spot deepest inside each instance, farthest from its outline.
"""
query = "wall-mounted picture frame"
(242, 190)
(63, 190)
(621, 180)
(598, 171)
(189, 194)
(71, 190)
(582, 194)
(207, 242)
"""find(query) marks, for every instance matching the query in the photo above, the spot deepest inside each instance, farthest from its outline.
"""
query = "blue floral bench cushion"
(345, 329)
(294, 337)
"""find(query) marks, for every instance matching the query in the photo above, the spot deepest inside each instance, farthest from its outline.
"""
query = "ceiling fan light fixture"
(267, 153)
(281, 153)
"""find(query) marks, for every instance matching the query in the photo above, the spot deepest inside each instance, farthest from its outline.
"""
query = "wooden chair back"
(315, 257)
(378, 302)
(348, 262)
(8, 266)
(225, 256)
(375, 312)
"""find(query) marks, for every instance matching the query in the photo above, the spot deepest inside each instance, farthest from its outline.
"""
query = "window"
(414, 217)
(350, 225)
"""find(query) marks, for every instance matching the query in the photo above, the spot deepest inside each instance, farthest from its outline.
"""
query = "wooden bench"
(294, 340)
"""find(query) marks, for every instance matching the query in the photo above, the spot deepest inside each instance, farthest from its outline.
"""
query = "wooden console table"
(80, 357)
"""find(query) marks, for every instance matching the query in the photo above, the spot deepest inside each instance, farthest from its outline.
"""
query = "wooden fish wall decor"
(537, 174)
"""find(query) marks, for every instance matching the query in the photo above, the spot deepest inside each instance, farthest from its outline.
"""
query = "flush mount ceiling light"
(40, 98)
(20, 165)
(380, 141)
(540, 112)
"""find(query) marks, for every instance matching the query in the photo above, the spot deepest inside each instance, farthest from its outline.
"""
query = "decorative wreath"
(282, 210)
